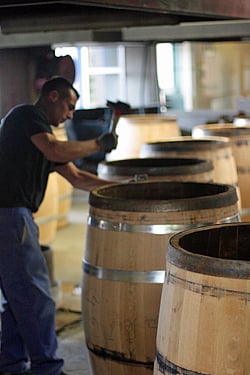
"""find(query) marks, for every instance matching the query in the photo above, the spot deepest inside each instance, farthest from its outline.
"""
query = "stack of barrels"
(166, 274)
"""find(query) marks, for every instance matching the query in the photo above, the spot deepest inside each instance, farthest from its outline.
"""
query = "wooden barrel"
(48, 255)
(160, 169)
(239, 137)
(216, 149)
(65, 189)
(241, 120)
(134, 130)
(204, 319)
(46, 216)
(124, 263)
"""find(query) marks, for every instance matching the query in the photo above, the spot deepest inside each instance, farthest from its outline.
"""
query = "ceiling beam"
(87, 19)
(203, 8)
(211, 8)
(213, 31)
(196, 31)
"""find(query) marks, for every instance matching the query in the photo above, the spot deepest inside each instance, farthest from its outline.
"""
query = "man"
(28, 153)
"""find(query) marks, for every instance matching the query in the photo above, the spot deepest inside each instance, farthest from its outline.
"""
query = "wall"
(142, 90)
(21, 69)
(221, 74)
(15, 73)
(22, 72)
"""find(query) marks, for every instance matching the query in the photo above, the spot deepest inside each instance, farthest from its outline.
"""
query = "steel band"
(152, 228)
(152, 277)
(231, 219)
(167, 367)
(245, 211)
(113, 355)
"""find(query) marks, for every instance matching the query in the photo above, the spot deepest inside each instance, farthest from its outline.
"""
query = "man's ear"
(53, 96)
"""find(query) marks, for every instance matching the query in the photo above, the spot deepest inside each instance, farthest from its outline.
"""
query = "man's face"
(62, 109)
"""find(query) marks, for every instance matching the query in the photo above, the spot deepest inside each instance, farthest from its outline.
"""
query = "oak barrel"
(134, 130)
(47, 214)
(49, 259)
(214, 148)
(160, 169)
(65, 189)
(239, 137)
(124, 263)
(204, 319)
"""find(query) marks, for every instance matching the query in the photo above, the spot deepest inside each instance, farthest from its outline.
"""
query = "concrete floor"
(67, 249)
(68, 245)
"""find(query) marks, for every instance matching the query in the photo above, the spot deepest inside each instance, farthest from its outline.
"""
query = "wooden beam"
(205, 8)
(196, 31)
(95, 20)
(232, 9)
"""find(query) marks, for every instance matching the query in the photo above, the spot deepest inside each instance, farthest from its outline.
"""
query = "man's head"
(58, 98)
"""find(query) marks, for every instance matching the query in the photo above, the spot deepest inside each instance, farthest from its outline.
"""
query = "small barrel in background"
(124, 263)
(65, 189)
(47, 214)
(216, 149)
(134, 130)
(160, 169)
(48, 255)
(204, 319)
(239, 137)
(241, 120)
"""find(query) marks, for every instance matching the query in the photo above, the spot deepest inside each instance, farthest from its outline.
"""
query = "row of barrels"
(157, 135)
(166, 271)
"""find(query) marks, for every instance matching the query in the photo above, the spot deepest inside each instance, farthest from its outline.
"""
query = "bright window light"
(165, 66)
(64, 51)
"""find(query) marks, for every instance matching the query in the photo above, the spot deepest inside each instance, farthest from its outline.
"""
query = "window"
(100, 73)
(165, 66)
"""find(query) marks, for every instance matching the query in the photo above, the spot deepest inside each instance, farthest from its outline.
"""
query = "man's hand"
(107, 141)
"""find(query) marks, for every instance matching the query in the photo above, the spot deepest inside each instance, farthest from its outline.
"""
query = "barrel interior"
(155, 162)
(155, 167)
(224, 130)
(226, 242)
(160, 191)
(186, 144)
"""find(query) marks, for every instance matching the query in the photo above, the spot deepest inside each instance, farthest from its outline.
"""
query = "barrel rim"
(205, 264)
(224, 130)
(154, 166)
(226, 196)
(148, 116)
(200, 143)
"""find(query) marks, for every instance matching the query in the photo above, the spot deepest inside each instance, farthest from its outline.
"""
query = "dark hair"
(61, 84)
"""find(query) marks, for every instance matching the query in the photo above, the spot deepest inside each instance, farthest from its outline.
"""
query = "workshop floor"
(67, 250)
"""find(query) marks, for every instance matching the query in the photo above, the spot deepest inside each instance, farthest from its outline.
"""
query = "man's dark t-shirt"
(24, 169)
